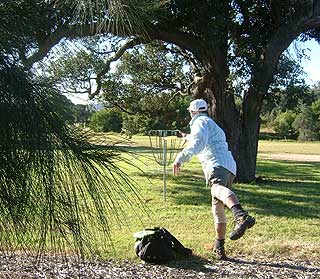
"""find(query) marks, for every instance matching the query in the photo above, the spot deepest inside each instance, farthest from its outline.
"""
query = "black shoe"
(220, 253)
(242, 223)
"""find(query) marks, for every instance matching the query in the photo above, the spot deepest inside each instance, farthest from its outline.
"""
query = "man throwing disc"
(208, 141)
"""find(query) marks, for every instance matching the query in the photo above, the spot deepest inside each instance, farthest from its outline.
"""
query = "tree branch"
(65, 91)
(183, 40)
(128, 45)
(119, 106)
(280, 41)
(73, 32)
(192, 62)
(63, 31)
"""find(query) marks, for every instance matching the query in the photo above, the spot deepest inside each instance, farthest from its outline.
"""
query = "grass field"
(285, 204)
(292, 147)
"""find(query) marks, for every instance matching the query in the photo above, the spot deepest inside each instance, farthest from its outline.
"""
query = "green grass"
(293, 147)
(285, 204)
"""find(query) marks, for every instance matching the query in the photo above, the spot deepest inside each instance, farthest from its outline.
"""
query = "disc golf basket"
(164, 145)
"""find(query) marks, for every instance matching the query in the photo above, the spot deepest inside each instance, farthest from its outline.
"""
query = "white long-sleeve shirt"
(208, 141)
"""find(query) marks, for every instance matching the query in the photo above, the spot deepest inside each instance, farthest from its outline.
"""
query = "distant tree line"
(295, 114)
(115, 120)
(301, 122)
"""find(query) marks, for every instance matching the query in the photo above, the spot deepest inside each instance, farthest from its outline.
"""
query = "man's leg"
(219, 179)
(220, 225)
(221, 229)
(243, 221)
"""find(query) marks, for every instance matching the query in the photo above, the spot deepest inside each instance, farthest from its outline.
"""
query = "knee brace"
(220, 192)
(218, 212)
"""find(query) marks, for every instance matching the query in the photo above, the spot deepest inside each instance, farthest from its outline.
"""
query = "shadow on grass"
(191, 190)
(136, 149)
(282, 198)
(288, 189)
(187, 188)
(293, 170)
(147, 149)
(269, 197)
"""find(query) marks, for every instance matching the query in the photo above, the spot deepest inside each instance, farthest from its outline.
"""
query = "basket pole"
(164, 166)
(159, 151)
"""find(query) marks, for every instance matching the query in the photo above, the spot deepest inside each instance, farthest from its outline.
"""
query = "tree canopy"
(220, 39)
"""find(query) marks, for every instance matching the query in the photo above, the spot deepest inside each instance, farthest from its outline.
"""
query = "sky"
(311, 66)
(78, 98)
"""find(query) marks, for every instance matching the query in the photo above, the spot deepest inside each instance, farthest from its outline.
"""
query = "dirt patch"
(26, 267)
(290, 157)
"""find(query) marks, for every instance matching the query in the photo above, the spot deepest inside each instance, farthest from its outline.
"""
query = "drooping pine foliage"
(54, 185)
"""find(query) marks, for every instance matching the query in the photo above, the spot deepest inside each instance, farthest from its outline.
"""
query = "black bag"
(158, 245)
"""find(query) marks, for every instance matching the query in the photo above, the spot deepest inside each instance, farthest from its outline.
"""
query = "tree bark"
(247, 148)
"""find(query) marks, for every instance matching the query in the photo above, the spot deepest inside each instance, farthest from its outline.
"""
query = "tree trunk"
(247, 149)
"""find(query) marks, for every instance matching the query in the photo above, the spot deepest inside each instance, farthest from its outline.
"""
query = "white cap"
(198, 105)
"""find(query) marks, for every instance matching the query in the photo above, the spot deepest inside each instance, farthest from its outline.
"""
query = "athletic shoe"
(220, 253)
(242, 223)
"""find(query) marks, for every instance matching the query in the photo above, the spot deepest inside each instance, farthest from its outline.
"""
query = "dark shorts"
(221, 176)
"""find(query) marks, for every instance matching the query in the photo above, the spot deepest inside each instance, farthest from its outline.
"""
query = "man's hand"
(183, 137)
(176, 168)
(181, 134)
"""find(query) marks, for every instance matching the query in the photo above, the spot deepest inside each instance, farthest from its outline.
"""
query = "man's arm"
(196, 141)
(184, 137)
